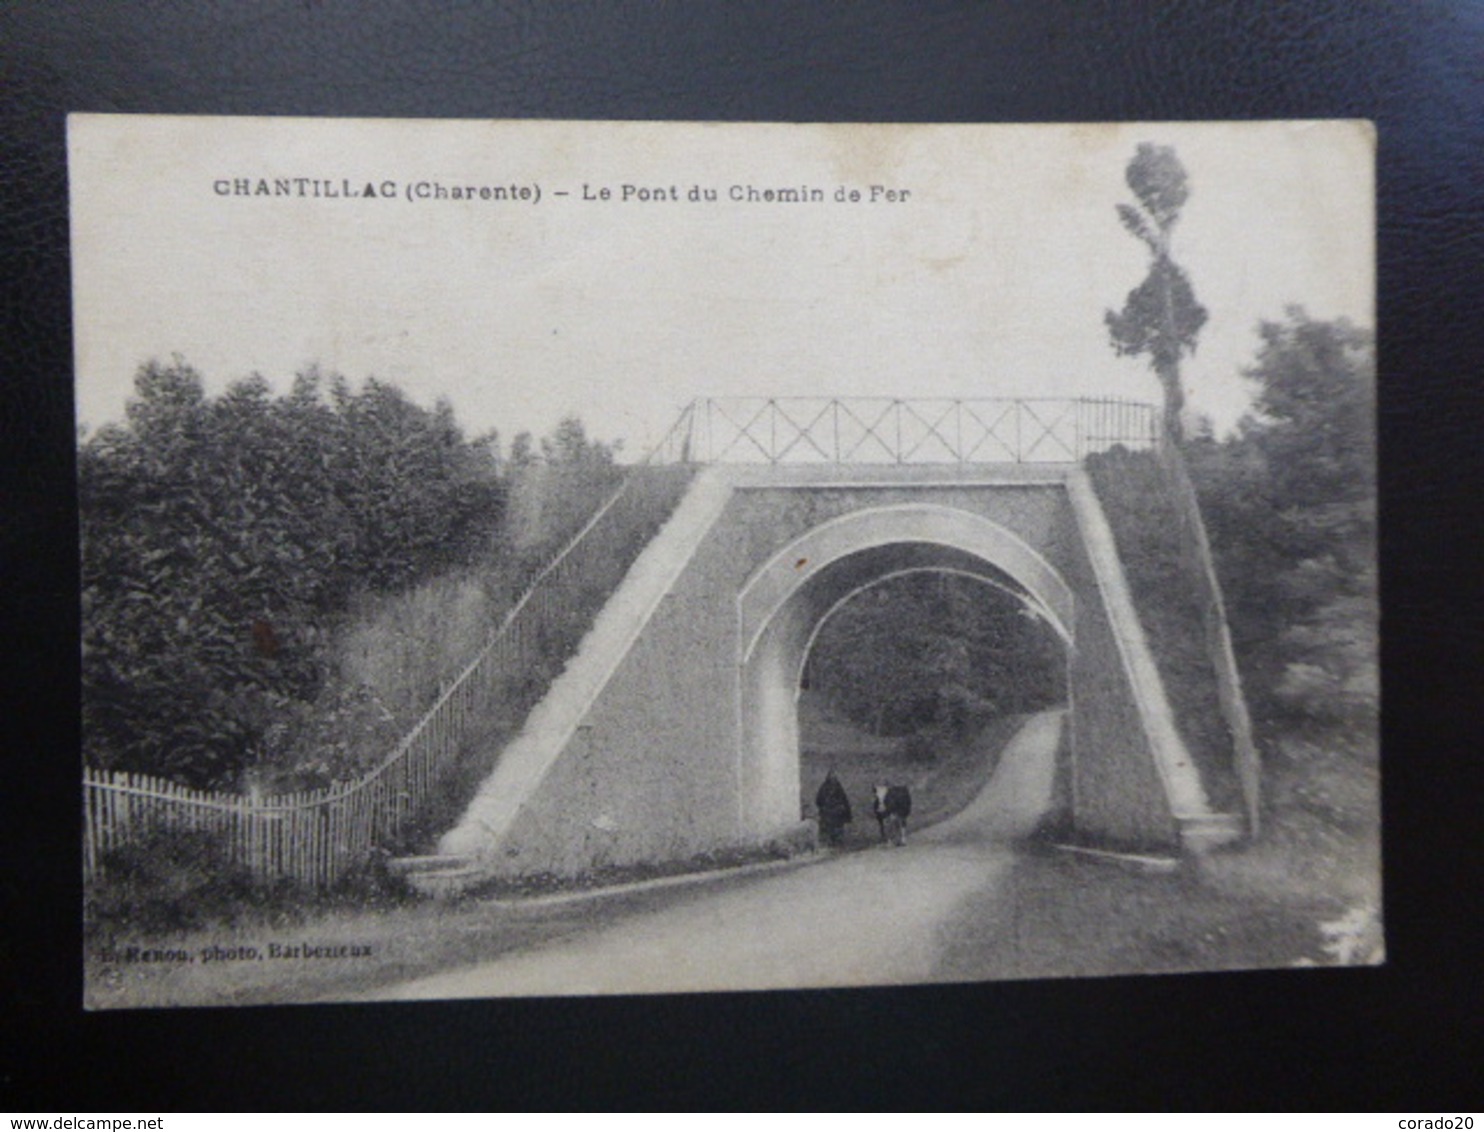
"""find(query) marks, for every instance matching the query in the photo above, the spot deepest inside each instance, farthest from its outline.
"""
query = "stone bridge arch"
(784, 603)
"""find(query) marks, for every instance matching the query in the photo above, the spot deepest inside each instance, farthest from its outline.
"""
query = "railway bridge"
(673, 731)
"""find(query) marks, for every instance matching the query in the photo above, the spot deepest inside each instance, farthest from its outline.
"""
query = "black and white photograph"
(553, 558)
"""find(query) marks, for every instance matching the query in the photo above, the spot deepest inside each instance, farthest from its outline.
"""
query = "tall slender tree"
(1160, 317)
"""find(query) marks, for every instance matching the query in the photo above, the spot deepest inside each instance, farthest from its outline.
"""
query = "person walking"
(833, 805)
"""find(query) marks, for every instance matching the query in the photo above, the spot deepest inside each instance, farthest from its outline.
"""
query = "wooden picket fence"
(312, 836)
(317, 836)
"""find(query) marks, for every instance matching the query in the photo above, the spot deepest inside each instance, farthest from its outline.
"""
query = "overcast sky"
(989, 279)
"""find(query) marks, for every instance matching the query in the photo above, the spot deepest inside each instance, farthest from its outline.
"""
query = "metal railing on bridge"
(889, 430)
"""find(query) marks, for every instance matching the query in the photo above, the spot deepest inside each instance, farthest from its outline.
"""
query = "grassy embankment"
(1306, 893)
(1132, 490)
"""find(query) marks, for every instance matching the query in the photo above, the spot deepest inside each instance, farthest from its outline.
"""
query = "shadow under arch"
(787, 600)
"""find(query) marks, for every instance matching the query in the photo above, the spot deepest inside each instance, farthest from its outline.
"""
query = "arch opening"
(778, 692)
(919, 678)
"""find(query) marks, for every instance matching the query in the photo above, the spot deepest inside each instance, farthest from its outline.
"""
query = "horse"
(892, 805)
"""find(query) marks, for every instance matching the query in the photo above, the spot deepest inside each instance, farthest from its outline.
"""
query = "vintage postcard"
(567, 558)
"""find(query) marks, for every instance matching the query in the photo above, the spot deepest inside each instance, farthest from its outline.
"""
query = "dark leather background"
(1406, 1036)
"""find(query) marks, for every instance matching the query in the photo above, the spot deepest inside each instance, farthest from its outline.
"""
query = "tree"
(569, 445)
(222, 538)
(522, 451)
(934, 651)
(1161, 317)
(555, 491)
(1315, 409)
(1290, 504)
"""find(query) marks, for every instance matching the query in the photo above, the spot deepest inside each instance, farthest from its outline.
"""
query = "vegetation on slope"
(1290, 504)
(933, 655)
(276, 587)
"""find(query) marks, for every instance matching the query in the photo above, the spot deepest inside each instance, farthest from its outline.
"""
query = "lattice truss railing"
(887, 430)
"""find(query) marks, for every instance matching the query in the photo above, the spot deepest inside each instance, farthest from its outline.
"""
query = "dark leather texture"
(1392, 1038)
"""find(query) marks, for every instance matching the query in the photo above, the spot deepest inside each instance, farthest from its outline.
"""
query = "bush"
(178, 880)
(403, 649)
(920, 748)
(170, 880)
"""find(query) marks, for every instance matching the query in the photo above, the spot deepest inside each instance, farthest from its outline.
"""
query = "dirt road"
(869, 917)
